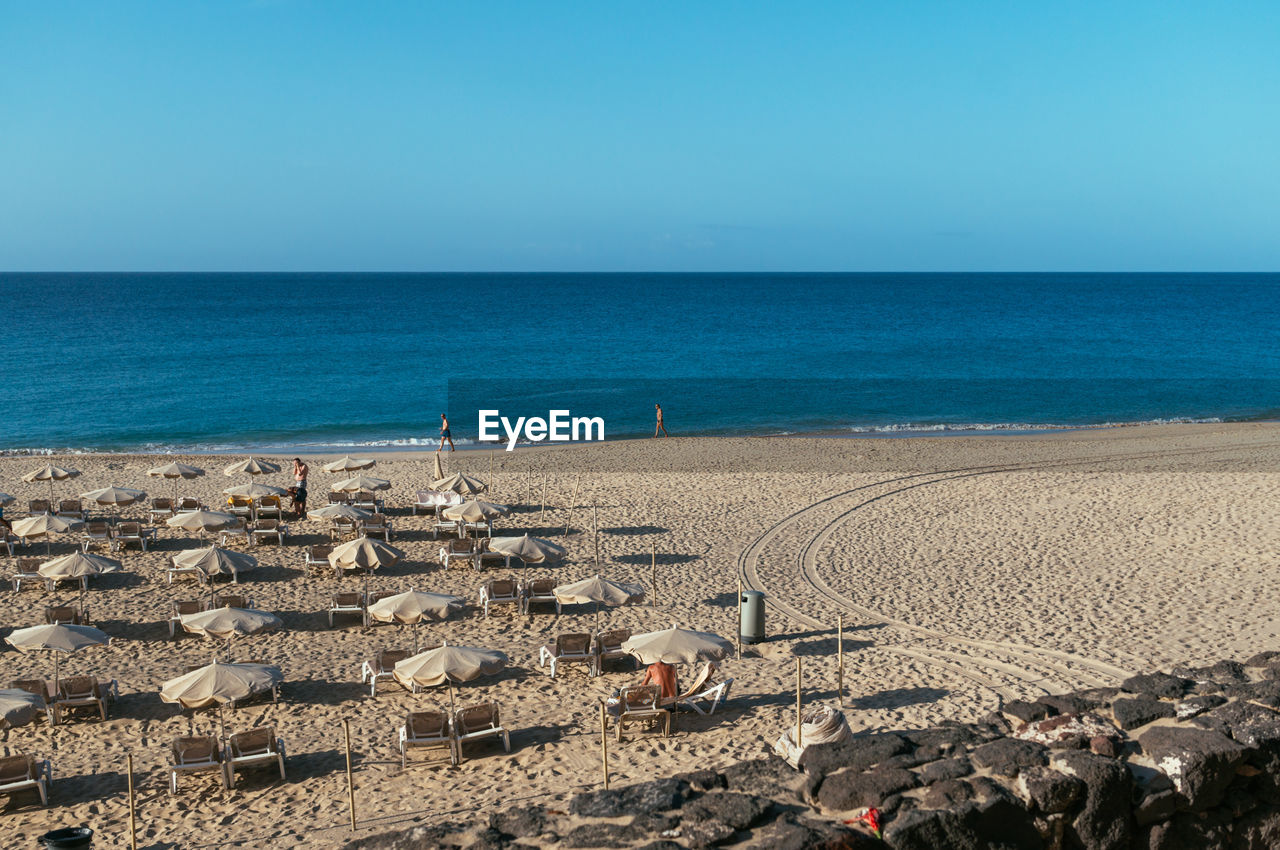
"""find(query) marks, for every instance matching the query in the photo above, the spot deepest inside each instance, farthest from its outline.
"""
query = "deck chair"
(316, 559)
(231, 600)
(269, 507)
(381, 667)
(173, 570)
(80, 692)
(40, 689)
(365, 501)
(255, 748)
(342, 527)
(26, 570)
(569, 649)
(38, 506)
(499, 591)
(187, 504)
(442, 525)
(425, 502)
(538, 590)
(349, 603)
(238, 531)
(266, 529)
(68, 614)
(477, 722)
(241, 506)
(180, 609)
(338, 498)
(161, 510)
(608, 647)
(705, 694)
(96, 532)
(131, 532)
(639, 705)
(483, 552)
(23, 773)
(377, 526)
(192, 755)
(7, 540)
(72, 509)
(427, 729)
(459, 550)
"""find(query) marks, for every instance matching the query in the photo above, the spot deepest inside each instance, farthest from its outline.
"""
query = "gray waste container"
(752, 626)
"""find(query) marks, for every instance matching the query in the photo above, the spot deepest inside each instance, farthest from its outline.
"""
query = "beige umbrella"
(45, 525)
(228, 623)
(437, 468)
(252, 466)
(176, 471)
(216, 561)
(677, 646)
(448, 664)
(78, 564)
(349, 464)
(366, 553)
(531, 550)
(415, 607)
(220, 683)
(19, 707)
(601, 591)
(51, 474)
(58, 639)
(361, 482)
(339, 512)
(254, 490)
(201, 521)
(462, 484)
(116, 496)
(475, 511)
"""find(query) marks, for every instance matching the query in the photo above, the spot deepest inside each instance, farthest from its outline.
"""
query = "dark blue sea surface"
(212, 362)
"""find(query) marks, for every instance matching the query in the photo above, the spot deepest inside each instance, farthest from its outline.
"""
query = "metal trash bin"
(751, 628)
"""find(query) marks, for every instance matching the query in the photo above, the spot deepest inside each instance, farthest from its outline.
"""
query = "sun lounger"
(161, 510)
(26, 571)
(230, 600)
(266, 529)
(269, 508)
(499, 591)
(255, 748)
(639, 704)
(187, 504)
(377, 526)
(7, 540)
(338, 499)
(238, 531)
(485, 526)
(79, 692)
(343, 527)
(708, 696)
(316, 559)
(241, 506)
(68, 614)
(181, 609)
(538, 590)
(192, 755)
(608, 647)
(173, 570)
(35, 507)
(477, 722)
(427, 729)
(425, 502)
(458, 550)
(366, 502)
(131, 532)
(40, 689)
(442, 525)
(348, 603)
(381, 667)
(483, 552)
(72, 509)
(23, 773)
(96, 532)
(568, 649)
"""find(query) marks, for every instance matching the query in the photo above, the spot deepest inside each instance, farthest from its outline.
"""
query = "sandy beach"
(967, 571)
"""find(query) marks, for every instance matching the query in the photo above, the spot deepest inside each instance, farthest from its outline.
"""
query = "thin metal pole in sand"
(738, 629)
(351, 787)
(490, 468)
(799, 742)
(604, 747)
(572, 503)
(133, 823)
(595, 535)
(543, 511)
(840, 660)
(653, 562)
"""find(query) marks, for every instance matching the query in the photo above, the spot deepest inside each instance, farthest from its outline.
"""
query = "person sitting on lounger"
(664, 676)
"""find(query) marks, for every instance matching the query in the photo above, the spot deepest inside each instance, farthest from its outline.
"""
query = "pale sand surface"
(966, 569)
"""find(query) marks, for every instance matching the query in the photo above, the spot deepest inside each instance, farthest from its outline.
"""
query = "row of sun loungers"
(437, 729)
(584, 648)
(72, 693)
(375, 526)
(195, 606)
(363, 500)
(197, 754)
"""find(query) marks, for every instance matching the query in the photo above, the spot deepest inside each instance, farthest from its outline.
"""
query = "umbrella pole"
(56, 665)
(451, 708)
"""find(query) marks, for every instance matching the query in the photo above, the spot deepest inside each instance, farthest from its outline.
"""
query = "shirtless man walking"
(444, 433)
(660, 426)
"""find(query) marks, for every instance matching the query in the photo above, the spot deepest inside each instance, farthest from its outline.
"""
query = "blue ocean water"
(211, 362)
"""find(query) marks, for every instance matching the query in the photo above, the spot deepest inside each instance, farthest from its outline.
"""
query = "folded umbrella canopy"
(116, 496)
(254, 490)
(228, 623)
(364, 553)
(677, 646)
(77, 565)
(339, 512)
(45, 525)
(349, 464)
(60, 639)
(361, 482)
(475, 511)
(201, 521)
(220, 683)
(531, 550)
(448, 664)
(459, 483)
(215, 561)
(19, 707)
(415, 607)
(601, 591)
(251, 466)
(50, 474)
(176, 471)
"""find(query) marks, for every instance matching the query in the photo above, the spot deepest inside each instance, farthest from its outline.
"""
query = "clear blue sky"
(639, 136)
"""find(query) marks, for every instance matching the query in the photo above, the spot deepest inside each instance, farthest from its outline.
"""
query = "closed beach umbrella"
(18, 707)
(220, 683)
(115, 496)
(361, 482)
(339, 512)
(51, 474)
(215, 561)
(462, 484)
(176, 471)
(201, 521)
(349, 464)
(59, 639)
(601, 591)
(437, 468)
(531, 550)
(448, 664)
(252, 466)
(45, 525)
(365, 553)
(677, 646)
(254, 490)
(414, 608)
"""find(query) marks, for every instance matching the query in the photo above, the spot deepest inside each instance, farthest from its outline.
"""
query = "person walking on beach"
(300, 471)
(444, 433)
(660, 426)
